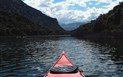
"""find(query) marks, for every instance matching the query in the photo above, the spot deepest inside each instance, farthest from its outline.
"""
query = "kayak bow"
(64, 68)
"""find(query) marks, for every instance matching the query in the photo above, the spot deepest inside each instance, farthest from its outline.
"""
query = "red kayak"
(64, 68)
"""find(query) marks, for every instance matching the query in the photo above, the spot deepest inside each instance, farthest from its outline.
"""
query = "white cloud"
(79, 2)
(64, 14)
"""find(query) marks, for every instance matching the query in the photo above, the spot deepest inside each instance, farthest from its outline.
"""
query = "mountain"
(106, 25)
(12, 24)
(71, 26)
(16, 12)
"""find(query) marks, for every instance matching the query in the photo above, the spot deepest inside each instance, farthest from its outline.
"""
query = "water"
(33, 56)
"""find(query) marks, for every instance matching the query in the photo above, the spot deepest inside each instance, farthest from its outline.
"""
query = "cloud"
(69, 11)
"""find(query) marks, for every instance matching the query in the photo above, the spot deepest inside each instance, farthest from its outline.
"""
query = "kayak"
(64, 68)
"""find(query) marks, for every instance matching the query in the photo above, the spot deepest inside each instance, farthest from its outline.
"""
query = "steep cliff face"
(32, 15)
(110, 24)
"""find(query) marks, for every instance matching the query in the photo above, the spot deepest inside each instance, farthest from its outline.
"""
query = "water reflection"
(33, 56)
(115, 46)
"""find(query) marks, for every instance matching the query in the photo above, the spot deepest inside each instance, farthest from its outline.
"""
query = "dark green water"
(33, 56)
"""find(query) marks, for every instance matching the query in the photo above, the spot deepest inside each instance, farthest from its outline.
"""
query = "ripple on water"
(32, 57)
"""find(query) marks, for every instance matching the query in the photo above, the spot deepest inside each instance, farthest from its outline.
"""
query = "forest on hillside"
(19, 19)
(14, 24)
(106, 25)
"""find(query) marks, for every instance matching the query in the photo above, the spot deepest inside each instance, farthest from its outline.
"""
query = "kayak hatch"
(64, 68)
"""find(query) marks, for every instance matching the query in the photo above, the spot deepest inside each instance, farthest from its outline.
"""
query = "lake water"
(33, 56)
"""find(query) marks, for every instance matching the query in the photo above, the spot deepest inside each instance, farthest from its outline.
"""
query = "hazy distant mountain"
(106, 25)
(19, 9)
(71, 26)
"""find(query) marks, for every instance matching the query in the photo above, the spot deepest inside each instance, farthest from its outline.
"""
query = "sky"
(71, 11)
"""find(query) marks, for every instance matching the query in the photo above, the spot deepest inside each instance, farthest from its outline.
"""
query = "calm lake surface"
(33, 56)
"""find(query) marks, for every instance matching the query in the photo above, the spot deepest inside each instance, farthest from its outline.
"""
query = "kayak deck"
(63, 61)
(78, 74)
